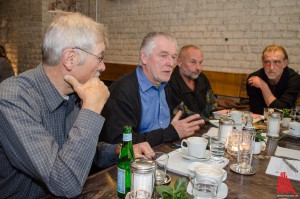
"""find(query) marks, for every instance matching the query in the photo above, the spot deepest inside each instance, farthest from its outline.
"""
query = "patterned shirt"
(47, 143)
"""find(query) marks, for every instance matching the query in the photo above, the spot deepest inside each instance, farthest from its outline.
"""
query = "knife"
(290, 165)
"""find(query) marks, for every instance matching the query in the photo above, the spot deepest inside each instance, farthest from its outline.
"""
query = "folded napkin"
(276, 166)
(289, 153)
(213, 131)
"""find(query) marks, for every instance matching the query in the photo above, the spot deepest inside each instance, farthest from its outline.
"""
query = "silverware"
(290, 165)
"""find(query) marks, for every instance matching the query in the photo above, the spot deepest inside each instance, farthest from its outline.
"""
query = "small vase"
(257, 147)
(286, 121)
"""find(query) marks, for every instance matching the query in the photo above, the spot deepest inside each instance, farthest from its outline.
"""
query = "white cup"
(237, 116)
(210, 171)
(294, 128)
(196, 146)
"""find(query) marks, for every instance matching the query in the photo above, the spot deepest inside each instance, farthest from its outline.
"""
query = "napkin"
(213, 131)
(276, 166)
(289, 153)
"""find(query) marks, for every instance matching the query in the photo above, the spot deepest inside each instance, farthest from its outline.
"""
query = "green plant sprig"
(286, 113)
(259, 137)
(178, 192)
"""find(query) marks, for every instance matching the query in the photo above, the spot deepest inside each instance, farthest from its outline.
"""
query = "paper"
(213, 131)
(276, 166)
(289, 153)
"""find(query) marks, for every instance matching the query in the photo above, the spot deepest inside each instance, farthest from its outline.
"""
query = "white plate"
(179, 165)
(184, 154)
(222, 192)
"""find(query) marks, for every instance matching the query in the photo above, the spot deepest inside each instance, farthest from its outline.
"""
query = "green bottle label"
(127, 137)
(121, 180)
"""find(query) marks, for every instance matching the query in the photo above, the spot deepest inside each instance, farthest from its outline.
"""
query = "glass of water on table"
(217, 148)
(161, 160)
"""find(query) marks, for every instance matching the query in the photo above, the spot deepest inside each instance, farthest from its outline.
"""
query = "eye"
(267, 62)
(193, 62)
(277, 62)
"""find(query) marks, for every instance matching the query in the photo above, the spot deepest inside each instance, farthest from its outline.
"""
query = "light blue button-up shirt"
(155, 110)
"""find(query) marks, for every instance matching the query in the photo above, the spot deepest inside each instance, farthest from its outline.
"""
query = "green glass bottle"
(125, 158)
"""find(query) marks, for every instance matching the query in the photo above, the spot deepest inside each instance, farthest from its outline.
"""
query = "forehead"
(273, 55)
(164, 44)
(193, 53)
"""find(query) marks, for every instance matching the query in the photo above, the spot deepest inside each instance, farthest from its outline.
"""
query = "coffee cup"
(196, 146)
(204, 171)
(294, 128)
(237, 116)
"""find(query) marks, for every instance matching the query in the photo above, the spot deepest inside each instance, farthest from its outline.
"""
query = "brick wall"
(232, 33)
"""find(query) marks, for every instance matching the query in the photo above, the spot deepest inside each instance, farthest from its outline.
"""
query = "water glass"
(217, 148)
(138, 194)
(205, 187)
(162, 163)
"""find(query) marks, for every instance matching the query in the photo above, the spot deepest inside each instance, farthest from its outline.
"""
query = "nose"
(170, 61)
(101, 67)
(272, 65)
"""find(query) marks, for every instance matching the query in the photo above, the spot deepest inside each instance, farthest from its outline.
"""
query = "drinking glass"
(204, 187)
(217, 148)
(162, 163)
(138, 194)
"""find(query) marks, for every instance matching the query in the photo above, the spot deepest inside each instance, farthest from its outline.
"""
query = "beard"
(189, 74)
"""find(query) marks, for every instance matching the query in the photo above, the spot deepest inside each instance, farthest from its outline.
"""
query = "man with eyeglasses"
(50, 115)
(275, 85)
(139, 98)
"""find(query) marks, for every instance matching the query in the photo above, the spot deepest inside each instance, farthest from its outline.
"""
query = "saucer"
(192, 166)
(184, 154)
(167, 180)
(222, 192)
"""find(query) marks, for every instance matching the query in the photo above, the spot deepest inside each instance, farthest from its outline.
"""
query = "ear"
(144, 58)
(179, 62)
(69, 59)
(286, 62)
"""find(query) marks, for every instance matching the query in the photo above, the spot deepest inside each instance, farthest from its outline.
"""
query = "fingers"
(72, 81)
(178, 115)
(143, 150)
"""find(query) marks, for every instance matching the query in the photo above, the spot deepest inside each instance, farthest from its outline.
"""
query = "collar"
(144, 82)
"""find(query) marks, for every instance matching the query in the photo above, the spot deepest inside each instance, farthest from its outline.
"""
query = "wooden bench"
(223, 84)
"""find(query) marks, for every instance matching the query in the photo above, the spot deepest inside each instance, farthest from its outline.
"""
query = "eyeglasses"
(100, 59)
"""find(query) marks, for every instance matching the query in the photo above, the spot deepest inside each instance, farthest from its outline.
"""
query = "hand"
(256, 82)
(93, 93)
(186, 127)
(143, 149)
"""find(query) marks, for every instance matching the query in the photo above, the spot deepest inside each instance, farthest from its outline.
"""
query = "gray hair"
(148, 42)
(69, 30)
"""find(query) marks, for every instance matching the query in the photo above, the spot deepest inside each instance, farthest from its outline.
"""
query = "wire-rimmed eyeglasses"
(100, 58)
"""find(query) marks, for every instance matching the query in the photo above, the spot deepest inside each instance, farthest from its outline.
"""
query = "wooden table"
(259, 186)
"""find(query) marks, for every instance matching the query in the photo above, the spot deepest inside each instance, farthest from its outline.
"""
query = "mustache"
(97, 74)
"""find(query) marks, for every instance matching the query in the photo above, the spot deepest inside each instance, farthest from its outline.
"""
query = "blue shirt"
(47, 143)
(155, 110)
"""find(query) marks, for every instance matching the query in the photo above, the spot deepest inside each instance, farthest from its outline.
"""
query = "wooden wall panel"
(222, 83)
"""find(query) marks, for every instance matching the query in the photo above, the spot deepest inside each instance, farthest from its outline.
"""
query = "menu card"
(276, 166)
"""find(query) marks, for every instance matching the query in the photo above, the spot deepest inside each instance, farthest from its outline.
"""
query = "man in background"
(139, 98)
(50, 116)
(275, 85)
(189, 86)
(5, 68)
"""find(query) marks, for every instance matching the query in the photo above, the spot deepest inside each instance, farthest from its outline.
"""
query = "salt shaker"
(274, 125)
(143, 175)
(225, 127)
